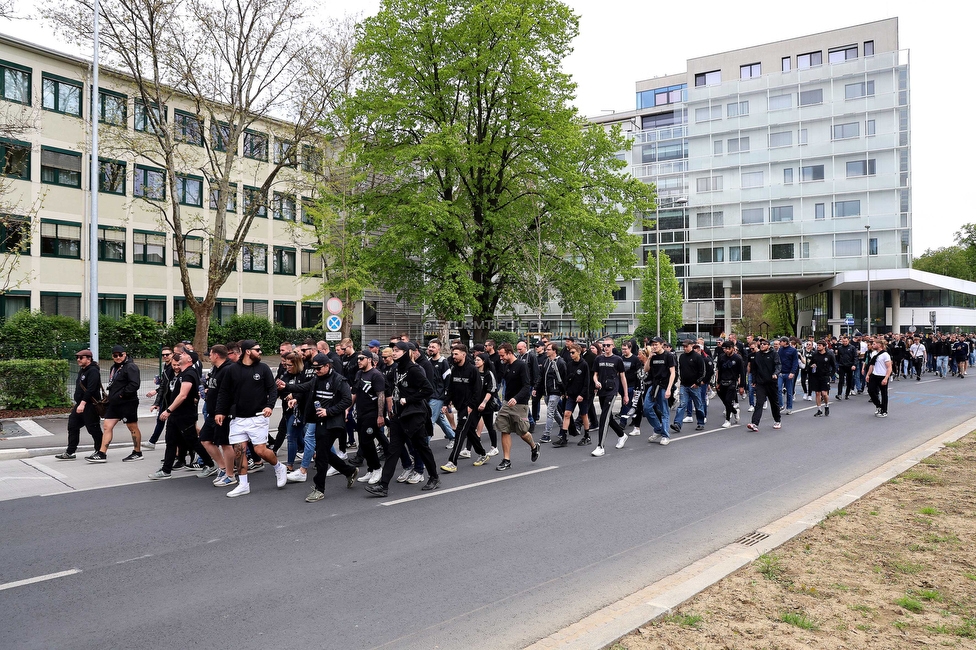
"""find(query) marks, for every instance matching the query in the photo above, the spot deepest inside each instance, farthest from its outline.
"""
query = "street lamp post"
(868, 230)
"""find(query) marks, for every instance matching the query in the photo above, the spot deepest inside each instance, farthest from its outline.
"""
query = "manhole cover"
(752, 538)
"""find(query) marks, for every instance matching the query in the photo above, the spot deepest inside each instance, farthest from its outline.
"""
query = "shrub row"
(35, 384)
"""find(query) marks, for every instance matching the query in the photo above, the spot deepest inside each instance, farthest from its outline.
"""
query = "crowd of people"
(369, 415)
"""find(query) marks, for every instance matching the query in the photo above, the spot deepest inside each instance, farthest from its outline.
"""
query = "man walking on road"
(764, 369)
(88, 388)
(513, 416)
(123, 404)
(879, 374)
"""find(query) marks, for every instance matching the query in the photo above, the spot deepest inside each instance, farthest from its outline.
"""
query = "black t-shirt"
(661, 365)
(608, 371)
(366, 390)
(187, 410)
(631, 365)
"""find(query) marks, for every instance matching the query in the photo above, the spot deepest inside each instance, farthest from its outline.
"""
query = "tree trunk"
(202, 313)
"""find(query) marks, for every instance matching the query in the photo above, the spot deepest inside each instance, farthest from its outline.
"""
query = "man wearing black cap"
(691, 375)
(409, 419)
(88, 389)
(247, 396)
(731, 371)
(764, 370)
(123, 404)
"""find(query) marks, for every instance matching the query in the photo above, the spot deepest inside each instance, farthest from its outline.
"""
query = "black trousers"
(878, 392)
(182, 435)
(727, 395)
(88, 419)
(467, 432)
(845, 377)
(324, 456)
(768, 391)
(412, 428)
(369, 434)
(607, 419)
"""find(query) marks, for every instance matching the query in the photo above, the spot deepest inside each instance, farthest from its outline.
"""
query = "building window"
(148, 247)
(312, 314)
(254, 258)
(284, 261)
(61, 304)
(219, 135)
(802, 136)
(308, 210)
(869, 128)
(846, 209)
(847, 248)
(188, 128)
(149, 183)
(861, 168)
(59, 167)
(737, 109)
(255, 145)
(860, 89)
(111, 176)
(841, 54)
(751, 179)
(805, 250)
(231, 197)
(786, 64)
(781, 139)
(709, 184)
(868, 48)
(285, 314)
(811, 97)
(311, 262)
(709, 220)
(255, 202)
(16, 158)
(111, 305)
(189, 191)
(152, 306)
(781, 252)
(846, 131)
(708, 113)
(112, 107)
(712, 78)
(873, 246)
(740, 253)
(717, 147)
(255, 308)
(149, 118)
(778, 214)
(283, 207)
(811, 173)
(60, 95)
(13, 302)
(738, 145)
(788, 176)
(819, 211)
(751, 216)
(311, 161)
(15, 83)
(111, 244)
(780, 102)
(193, 251)
(750, 70)
(14, 234)
(285, 153)
(60, 239)
(809, 60)
(708, 255)
(620, 293)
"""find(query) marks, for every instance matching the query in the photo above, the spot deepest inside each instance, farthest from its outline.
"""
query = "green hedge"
(33, 335)
(503, 337)
(35, 384)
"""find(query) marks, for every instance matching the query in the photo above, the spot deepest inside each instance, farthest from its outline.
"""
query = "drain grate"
(752, 538)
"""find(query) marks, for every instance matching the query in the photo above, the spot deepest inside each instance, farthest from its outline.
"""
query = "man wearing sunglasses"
(123, 404)
(87, 392)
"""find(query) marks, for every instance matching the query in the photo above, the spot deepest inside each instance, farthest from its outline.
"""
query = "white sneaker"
(297, 476)
(752, 408)
(705, 421)
(299, 456)
(375, 476)
(342, 455)
(450, 444)
(599, 451)
(239, 491)
(365, 477)
(281, 475)
(665, 441)
(688, 419)
(404, 475)
(655, 438)
(493, 451)
(765, 406)
(726, 424)
(465, 453)
(622, 441)
(331, 472)
(415, 477)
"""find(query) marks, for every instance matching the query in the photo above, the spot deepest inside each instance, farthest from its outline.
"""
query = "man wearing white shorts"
(248, 394)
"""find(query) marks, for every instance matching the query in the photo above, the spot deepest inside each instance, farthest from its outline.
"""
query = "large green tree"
(952, 261)
(466, 118)
(669, 298)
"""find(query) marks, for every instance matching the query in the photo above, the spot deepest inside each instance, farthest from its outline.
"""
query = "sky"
(624, 41)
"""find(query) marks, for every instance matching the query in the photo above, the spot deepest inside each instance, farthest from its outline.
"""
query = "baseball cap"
(116, 349)
(402, 345)
(657, 339)
(374, 343)
(321, 359)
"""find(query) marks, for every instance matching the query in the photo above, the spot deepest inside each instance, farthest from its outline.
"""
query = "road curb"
(608, 625)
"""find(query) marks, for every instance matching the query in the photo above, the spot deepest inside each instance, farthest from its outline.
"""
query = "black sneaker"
(378, 490)
(65, 456)
(826, 411)
(97, 457)
(432, 484)
(351, 445)
(700, 427)
(351, 479)
(818, 414)
(136, 455)
(585, 441)
(675, 428)
(560, 442)
(535, 452)
(506, 464)
(545, 438)
(180, 465)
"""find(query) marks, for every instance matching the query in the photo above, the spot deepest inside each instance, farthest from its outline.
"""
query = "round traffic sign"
(334, 305)
(334, 323)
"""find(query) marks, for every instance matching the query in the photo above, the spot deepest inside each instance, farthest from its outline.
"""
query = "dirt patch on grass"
(895, 569)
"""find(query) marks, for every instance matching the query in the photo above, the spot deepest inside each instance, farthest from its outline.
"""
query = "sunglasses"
(258, 350)
(360, 358)
(83, 356)
(118, 355)
(167, 354)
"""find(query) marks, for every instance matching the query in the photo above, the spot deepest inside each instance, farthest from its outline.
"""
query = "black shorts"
(571, 404)
(210, 432)
(126, 411)
(819, 384)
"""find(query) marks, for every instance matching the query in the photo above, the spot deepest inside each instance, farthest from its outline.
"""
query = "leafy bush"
(35, 384)
(34, 335)
(503, 337)
(140, 335)
(183, 328)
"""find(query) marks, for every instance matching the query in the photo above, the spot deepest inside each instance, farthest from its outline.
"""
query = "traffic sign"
(912, 329)
(848, 321)
(334, 305)
(333, 336)
(334, 323)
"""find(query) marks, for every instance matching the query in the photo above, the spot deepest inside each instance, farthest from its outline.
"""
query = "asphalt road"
(498, 565)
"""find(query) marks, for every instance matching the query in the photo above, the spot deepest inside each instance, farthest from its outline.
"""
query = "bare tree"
(239, 64)
(18, 211)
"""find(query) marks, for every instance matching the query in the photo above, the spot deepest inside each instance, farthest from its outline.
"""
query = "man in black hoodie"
(87, 392)
(691, 375)
(764, 369)
(123, 404)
